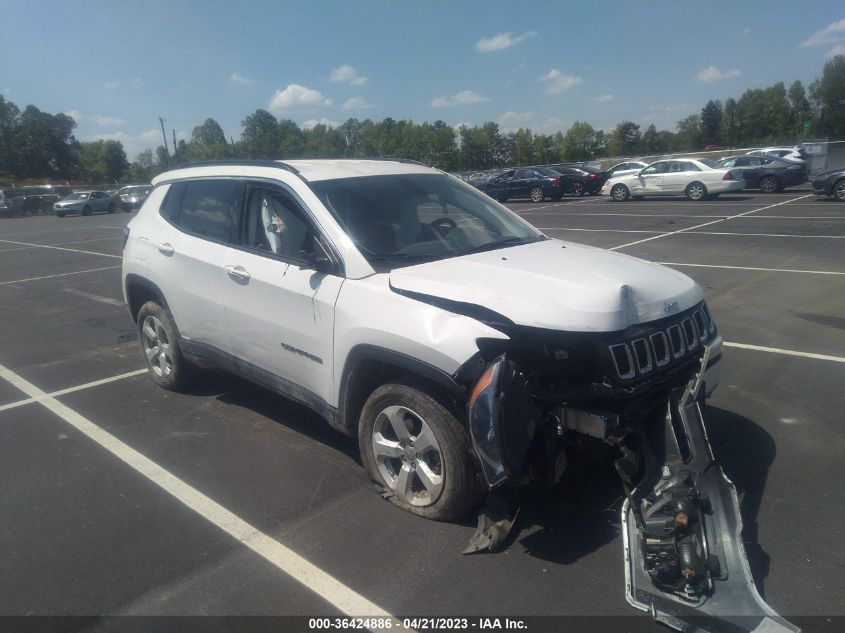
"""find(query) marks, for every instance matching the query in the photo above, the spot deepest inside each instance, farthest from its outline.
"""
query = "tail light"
(556, 181)
(728, 176)
(593, 176)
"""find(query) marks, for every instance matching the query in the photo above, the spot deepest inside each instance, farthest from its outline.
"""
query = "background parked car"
(767, 173)
(41, 198)
(630, 167)
(85, 202)
(585, 180)
(793, 153)
(831, 183)
(11, 204)
(133, 196)
(697, 179)
(537, 183)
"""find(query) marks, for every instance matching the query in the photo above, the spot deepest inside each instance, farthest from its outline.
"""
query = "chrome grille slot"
(711, 324)
(622, 360)
(660, 345)
(690, 334)
(642, 354)
(700, 324)
(676, 338)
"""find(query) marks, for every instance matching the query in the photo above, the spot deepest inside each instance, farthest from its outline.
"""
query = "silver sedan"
(86, 203)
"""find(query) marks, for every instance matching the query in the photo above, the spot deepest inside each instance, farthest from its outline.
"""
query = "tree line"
(38, 145)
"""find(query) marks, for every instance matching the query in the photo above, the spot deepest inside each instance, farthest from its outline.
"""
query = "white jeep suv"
(467, 351)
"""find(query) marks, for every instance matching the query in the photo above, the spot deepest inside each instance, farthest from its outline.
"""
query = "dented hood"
(556, 285)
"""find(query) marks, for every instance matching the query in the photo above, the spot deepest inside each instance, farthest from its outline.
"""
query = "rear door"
(679, 175)
(522, 182)
(279, 309)
(186, 259)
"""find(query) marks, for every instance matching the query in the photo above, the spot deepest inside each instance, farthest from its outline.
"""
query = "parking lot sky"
(116, 67)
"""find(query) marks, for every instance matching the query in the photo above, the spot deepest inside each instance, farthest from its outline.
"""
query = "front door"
(280, 312)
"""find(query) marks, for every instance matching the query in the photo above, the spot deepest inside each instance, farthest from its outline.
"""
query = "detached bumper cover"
(682, 530)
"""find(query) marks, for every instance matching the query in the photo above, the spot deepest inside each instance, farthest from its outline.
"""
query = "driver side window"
(274, 223)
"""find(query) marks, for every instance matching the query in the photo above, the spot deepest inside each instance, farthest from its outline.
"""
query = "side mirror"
(319, 259)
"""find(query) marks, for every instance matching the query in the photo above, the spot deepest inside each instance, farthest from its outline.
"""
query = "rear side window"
(207, 208)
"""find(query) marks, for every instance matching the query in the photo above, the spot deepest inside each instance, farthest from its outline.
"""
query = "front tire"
(838, 190)
(86, 211)
(696, 191)
(414, 448)
(536, 194)
(769, 184)
(159, 341)
(578, 189)
(620, 193)
(111, 207)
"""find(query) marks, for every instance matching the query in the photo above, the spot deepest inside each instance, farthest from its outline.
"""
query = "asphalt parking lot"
(119, 498)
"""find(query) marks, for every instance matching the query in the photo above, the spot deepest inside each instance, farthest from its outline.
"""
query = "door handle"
(237, 271)
(166, 248)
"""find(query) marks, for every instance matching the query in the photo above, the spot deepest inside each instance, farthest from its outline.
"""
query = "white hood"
(556, 285)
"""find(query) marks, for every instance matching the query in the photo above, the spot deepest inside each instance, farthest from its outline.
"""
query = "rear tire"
(696, 191)
(620, 193)
(442, 483)
(578, 189)
(769, 184)
(159, 341)
(60, 215)
(536, 194)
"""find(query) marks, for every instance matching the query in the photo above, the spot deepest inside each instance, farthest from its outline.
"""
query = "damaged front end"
(640, 393)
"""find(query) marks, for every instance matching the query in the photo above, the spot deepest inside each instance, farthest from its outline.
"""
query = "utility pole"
(174, 142)
(166, 150)
(234, 149)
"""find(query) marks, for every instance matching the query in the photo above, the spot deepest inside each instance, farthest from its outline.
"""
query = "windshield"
(405, 219)
(77, 196)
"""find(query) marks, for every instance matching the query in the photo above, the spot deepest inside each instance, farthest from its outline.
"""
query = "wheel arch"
(139, 290)
(367, 367)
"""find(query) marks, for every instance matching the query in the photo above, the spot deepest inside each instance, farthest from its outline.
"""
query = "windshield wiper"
(511, 240)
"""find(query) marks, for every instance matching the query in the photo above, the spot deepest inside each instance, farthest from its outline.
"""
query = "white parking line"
(320, 582)
(97, 239)
(75, 228)
(77, 272)
(557, 204)
(768, 270)
(788, 352)
(61, 248)
(825, 237)
(698, 226)
(62, 392)
(684, 215)
(94, 297)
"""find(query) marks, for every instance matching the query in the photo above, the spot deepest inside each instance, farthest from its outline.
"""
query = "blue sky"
(116, 66)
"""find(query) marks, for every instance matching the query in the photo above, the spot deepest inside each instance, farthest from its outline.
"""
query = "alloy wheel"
(839, 190)
(696, 191)
(157, 347)
(768, 185)
(536, 194)
(408, 456)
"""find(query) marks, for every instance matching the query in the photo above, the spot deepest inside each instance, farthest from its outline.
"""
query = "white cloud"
(76, 115)
(831, 34)
(559, 82)
(240, 80)
(136, 83)
(745, 31)
(356, 103)
(514, 118)
(347, 74)
(711, 74)
(465, 97)
(324, 121)
(839, 49)
(107, 121)
(296, 97)
(111, 85)
(152, 135)
(672, 107)
(123, 137)
(501, 41)
(605, 98)
(458, 126)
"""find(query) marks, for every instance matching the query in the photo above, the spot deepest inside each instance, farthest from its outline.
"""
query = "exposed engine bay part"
(682, 530)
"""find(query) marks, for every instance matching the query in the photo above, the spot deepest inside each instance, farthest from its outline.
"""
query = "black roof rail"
(239, 162)
(410, 161)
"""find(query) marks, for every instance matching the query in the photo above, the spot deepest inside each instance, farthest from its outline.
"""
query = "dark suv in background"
(536, 183)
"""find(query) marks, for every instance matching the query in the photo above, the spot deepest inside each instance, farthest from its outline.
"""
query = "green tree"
(728, 127)
(9, 121)
(624, 140)
(689, 133)
(143, 169)
(711, 122)
(651, 141)
(523, 147)
(43, 144)
(580, 142)
(829, 93)
(776, 113)
(799, 107)
(103, 161)
(260, 135)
